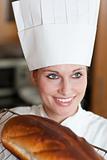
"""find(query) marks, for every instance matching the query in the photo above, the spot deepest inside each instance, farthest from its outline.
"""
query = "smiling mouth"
(64, 101)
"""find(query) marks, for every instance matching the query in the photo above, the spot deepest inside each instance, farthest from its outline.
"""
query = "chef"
(57, 38)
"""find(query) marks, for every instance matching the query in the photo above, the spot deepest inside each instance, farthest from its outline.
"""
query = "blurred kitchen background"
(16, 88)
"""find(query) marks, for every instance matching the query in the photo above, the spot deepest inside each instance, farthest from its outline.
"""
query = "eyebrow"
(78, 69)
(75, 70)
(49, 70)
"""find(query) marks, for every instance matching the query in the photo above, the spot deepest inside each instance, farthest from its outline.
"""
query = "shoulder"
(94, 121)
(27, 109)
(96, 128)
(94, 118)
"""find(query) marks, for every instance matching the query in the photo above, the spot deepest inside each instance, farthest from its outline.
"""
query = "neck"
(57, 117)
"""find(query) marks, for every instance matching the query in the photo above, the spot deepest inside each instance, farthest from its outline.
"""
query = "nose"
(65, 87)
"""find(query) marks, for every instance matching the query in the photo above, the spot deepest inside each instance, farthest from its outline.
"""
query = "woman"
(61, 87)
(57, 38)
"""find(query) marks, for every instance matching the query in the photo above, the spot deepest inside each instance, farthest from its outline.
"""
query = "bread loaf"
(31, 137)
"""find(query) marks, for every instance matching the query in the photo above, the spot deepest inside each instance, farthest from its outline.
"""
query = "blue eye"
(77, 75)
(52, 76)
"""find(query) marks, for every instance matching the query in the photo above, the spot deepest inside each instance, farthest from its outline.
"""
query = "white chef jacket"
(84, 123)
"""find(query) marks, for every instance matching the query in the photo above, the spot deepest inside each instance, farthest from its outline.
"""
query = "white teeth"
(64, 100)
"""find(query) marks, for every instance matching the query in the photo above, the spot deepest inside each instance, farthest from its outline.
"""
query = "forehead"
(64, 67)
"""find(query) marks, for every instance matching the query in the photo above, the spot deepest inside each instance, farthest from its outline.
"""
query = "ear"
(34, 77)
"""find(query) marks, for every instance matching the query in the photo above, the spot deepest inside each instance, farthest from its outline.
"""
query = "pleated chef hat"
(55, 32)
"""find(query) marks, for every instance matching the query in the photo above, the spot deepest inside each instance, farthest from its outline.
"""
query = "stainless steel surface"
(10, 113)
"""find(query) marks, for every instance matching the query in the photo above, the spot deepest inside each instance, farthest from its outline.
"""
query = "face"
(61, 87)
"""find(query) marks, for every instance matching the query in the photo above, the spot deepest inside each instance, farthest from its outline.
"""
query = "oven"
(15, 84)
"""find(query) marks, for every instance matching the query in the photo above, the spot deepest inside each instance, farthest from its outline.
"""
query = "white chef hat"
(55, 32)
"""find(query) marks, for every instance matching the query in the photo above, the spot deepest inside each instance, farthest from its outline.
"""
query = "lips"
(63, 101)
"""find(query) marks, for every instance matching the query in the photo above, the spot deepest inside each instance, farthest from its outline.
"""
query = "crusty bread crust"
(31, 137)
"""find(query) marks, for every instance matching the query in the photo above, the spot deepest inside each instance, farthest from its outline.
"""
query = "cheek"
(46, 88)
(81, 85)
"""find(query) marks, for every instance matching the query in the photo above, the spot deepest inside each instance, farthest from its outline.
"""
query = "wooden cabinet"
(98, 75)
(8, 31)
